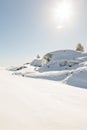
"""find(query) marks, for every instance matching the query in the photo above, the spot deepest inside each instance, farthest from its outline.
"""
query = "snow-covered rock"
(36, 62)
(16, 68)
(64, 65)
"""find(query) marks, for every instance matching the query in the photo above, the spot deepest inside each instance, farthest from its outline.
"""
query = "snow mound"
(78, 78)
(62, 58)
(67, 66)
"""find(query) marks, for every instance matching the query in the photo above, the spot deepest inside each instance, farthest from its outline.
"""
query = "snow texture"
(37, 104)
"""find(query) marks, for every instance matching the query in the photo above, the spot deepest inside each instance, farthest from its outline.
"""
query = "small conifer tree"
(38, 56)
(79, 47)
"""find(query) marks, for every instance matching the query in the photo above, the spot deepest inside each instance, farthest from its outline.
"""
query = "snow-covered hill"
(37, 104)
(67, 66)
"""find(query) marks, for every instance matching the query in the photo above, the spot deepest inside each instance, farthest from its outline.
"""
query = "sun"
(63, 13)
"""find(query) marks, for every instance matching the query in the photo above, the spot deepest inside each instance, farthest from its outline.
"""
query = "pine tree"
(37, 56)
(79, 47)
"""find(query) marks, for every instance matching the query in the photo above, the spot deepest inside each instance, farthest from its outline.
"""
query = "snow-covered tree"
(79, 47)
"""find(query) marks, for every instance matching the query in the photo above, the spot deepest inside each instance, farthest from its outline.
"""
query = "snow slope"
(67, 66)
(37, 104)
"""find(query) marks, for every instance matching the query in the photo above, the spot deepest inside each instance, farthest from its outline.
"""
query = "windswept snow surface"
(37, 104)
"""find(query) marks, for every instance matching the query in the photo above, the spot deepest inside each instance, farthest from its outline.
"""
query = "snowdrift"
(37, 104)
(67, 66)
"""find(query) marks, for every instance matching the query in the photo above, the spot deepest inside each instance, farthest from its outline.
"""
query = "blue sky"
(28, 28)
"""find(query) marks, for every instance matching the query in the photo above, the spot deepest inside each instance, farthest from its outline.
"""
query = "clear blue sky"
(28, 28)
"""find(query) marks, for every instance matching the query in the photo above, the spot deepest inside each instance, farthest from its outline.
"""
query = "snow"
(79, 78)
(36, 62)
(37, 104)
(67, 66)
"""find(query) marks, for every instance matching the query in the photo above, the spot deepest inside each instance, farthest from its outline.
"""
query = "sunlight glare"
(63, 13)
